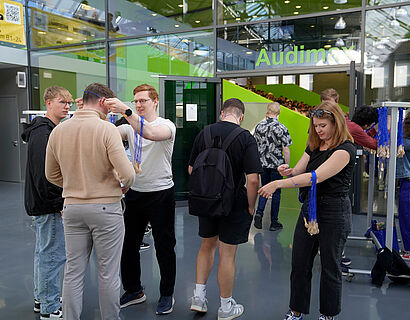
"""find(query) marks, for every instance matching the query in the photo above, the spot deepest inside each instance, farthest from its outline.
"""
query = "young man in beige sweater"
(82, 155)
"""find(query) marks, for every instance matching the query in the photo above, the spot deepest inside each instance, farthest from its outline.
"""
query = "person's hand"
(61, 213)
(267, 190)
(251, 211)
(115, 105)
(79, 102)
(285, 171)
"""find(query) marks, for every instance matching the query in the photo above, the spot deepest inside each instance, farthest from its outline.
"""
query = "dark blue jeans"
(267, 176)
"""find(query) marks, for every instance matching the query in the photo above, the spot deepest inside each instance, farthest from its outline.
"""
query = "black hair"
(365, 115)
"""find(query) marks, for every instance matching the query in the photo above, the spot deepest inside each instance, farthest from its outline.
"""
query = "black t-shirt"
(339, 183)
(243, 151)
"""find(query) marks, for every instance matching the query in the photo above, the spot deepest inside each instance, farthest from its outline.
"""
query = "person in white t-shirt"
(151, 197)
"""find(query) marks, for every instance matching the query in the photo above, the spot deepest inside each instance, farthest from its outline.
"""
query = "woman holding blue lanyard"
(328, 161)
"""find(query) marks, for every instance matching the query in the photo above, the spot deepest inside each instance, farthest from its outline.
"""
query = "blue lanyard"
(138, 143)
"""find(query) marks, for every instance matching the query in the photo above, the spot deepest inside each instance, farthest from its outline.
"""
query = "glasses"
(65, 103)
(319, 113)
(140, 101)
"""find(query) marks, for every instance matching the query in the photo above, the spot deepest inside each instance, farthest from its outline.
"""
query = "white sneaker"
(236, 311)
(199, 305)
(55, 315)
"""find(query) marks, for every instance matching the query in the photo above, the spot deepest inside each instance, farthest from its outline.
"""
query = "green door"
(191, 105)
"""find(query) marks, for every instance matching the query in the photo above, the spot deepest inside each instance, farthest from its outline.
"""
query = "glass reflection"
(63, 22)
(72, 68)
(143, 60)
(387, 54)
(304, 42)
(255, 10)
(150, 17)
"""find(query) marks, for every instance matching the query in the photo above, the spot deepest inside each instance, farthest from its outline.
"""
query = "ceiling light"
(249, 52)
(69, 39)
(340, 1)
(238, 19)
(394, 23)
(298, 7)
(197, 21)
(332, 18)
(154, 14)
(181, 5)
(177, 26)
(401, 13)
(327, 46)
(339, 42)
(325, 7)
(340, 24)
(254, 17)
(296, 12)
(287, 1)
(312, 26)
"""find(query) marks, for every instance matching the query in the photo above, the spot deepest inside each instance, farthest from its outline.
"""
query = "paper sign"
(11, 22)
(191, 112)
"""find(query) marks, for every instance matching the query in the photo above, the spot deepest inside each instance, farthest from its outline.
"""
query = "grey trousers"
(85, 226)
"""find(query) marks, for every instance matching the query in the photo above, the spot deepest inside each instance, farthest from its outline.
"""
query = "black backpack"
(212, 188)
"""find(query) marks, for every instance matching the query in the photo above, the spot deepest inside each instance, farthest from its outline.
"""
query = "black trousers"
(334, 219)
(159, 208)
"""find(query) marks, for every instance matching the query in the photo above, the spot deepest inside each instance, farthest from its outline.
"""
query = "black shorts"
(232, 229)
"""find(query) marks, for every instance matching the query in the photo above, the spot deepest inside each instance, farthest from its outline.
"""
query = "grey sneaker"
(199, 305)
(236, 311)
(291, 316)
(322, 317)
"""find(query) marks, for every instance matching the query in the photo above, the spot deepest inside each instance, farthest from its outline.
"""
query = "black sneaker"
(165, 304)
(346, 261)
(258, 221)
(144, 246)
(129, 298)
(345, 270)
(275, 226)
(36, 306)
(55, 315)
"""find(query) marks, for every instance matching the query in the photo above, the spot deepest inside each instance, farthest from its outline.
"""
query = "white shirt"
(156, 163)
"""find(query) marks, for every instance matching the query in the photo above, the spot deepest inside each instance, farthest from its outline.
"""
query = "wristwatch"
(128, 112)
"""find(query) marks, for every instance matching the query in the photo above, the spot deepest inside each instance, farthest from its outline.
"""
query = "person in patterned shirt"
(273, 141)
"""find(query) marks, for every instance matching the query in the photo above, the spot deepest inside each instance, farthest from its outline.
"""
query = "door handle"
(15, 143)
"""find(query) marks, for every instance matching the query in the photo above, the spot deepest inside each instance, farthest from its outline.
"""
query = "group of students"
(82, 160)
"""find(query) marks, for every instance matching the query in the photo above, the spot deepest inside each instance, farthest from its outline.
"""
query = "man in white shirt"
(151, 198)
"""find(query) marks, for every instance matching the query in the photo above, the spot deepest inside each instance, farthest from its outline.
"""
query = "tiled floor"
(262, 275)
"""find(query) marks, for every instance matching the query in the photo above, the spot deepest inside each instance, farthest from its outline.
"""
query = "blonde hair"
(273, 108)
(341, 132)
(329, 94)
(55, 92)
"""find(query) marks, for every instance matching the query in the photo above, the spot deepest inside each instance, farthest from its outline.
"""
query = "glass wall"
(133, 62)
(255, 10)
(387, 55)
(72, 68)
(319, 41)
(130, 18)
(55, 22)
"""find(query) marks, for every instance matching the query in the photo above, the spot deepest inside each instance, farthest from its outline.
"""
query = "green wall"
(294, 92)
(255, 111)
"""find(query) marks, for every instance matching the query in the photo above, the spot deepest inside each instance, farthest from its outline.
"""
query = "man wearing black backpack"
(225, 219)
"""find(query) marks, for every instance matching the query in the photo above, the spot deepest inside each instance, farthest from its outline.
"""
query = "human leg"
(334, 225)
(107, 227)
(78, 249)
(274, 175)
(304, 250)
(50, 260)
(265, 179)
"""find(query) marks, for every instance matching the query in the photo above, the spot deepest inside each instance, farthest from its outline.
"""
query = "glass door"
(191, 104)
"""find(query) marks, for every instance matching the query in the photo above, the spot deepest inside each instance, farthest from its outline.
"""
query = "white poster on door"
(191, 112)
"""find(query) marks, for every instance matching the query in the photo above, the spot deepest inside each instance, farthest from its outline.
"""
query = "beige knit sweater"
(82, 154)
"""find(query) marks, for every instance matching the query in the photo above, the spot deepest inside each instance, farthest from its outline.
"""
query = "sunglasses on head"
(319, 113)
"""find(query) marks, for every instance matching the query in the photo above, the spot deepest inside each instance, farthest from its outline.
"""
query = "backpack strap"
(231, 137)
(207, 137)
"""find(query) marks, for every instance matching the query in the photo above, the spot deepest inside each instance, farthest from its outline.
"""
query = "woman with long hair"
(328, 161)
